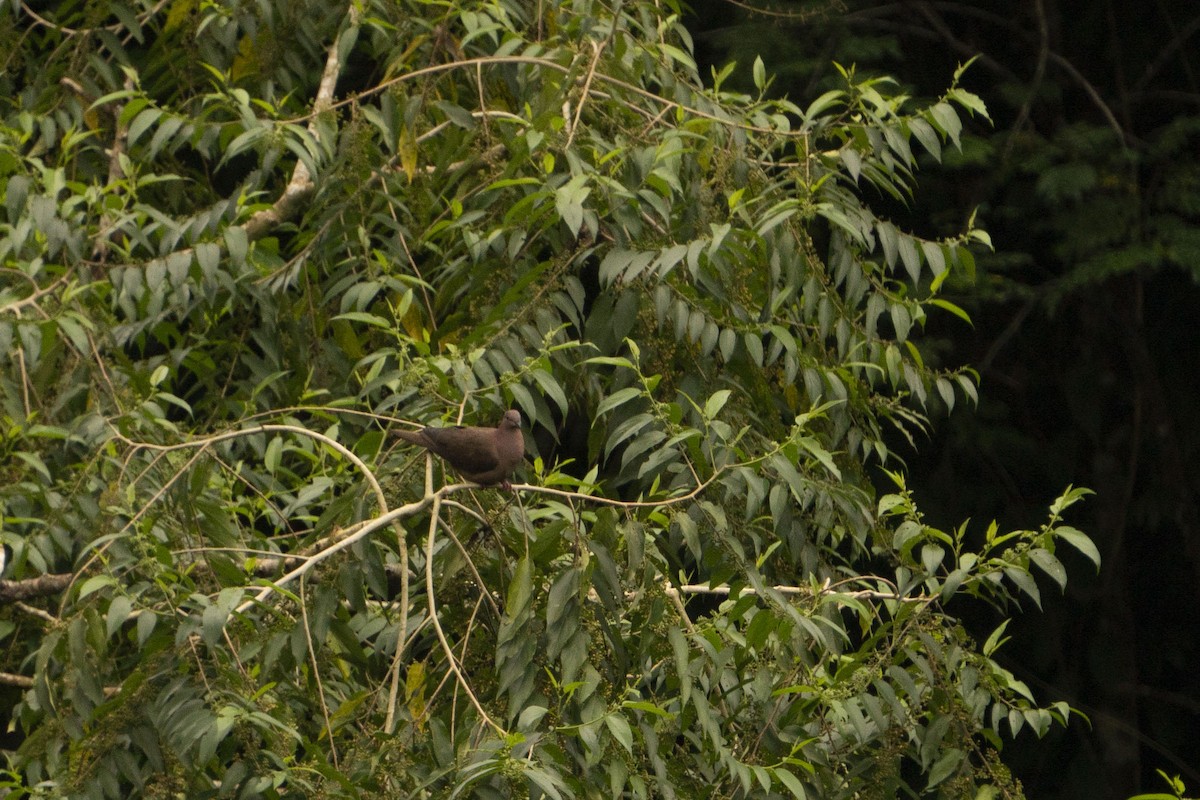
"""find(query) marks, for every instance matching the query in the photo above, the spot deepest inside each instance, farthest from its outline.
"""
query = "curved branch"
(208, 441)
(668, 501)
(793, 16)
(1044, 53)
(301, 186)
(1165, 52)
(665, 102)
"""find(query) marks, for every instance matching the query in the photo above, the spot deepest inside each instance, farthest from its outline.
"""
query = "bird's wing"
(469, 450)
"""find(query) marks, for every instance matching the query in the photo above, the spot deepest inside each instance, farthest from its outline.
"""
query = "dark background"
(1085, 331)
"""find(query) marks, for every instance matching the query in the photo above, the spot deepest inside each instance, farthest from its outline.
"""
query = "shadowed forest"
(1084, 329)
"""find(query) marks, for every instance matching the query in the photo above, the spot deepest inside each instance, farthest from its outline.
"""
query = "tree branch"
(41, 586)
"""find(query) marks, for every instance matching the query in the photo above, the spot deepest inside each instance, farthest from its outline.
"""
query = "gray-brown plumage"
(485, 456)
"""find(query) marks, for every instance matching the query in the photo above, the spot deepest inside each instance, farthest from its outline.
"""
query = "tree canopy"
(242, 242)
(1083, 328)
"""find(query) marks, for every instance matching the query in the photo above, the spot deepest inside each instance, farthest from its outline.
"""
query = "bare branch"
(9, 679)
(437, 626)
(41, 586)
(301, 185)
(796, 591)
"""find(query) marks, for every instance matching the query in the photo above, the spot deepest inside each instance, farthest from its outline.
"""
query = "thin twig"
(430, 593)
(1039, 74)
(804, 591)
(666, 501)
(15, 306)
(548, 64)
(471, 565)
(312, 652)
(597, 48)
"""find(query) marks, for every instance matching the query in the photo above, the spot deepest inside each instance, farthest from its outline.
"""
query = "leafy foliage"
(1087, 183)
(222, 286)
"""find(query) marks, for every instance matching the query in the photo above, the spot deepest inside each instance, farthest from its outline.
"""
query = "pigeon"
(486, 456)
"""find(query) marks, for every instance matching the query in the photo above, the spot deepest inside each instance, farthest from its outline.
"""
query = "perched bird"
(486, 456)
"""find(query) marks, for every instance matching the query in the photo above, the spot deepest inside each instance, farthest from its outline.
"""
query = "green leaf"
(1050, 565)
(953, 309)
(212, 624)
(946, 119)
(118, 612)
(931, 557)
(166, 131)
(456, 114)
(1068, 498)
(791, 782)
(1080, 541)
(373, 320)
(95, 584)
(908, 254)
(811, 446)
(208, 256)
(823, 103)
(544, 781)
(934, 257)
(631, 426)
(727, 341)
(521, 588)
(969, 101)
(568, 200)
(272, 456)
(901, 320)
(927, 136)
(146, 622)
(237, 244)
(617, 399)
(889, 240)
(248, 140)
(906, 535)
(679, 647)
(968, 387)
(945, 766)
(618, 726)
(715, 403)
(530, 717)
(552, 389)
(966, 260)
(141, 124)
(648, 707)
(35, 462)
(754, 347)
(946, 391)
(612, 361)
(1025, 583)
(524, 399)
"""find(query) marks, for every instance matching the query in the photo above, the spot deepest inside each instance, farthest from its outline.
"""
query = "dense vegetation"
(241, 242)
(1084, 324)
